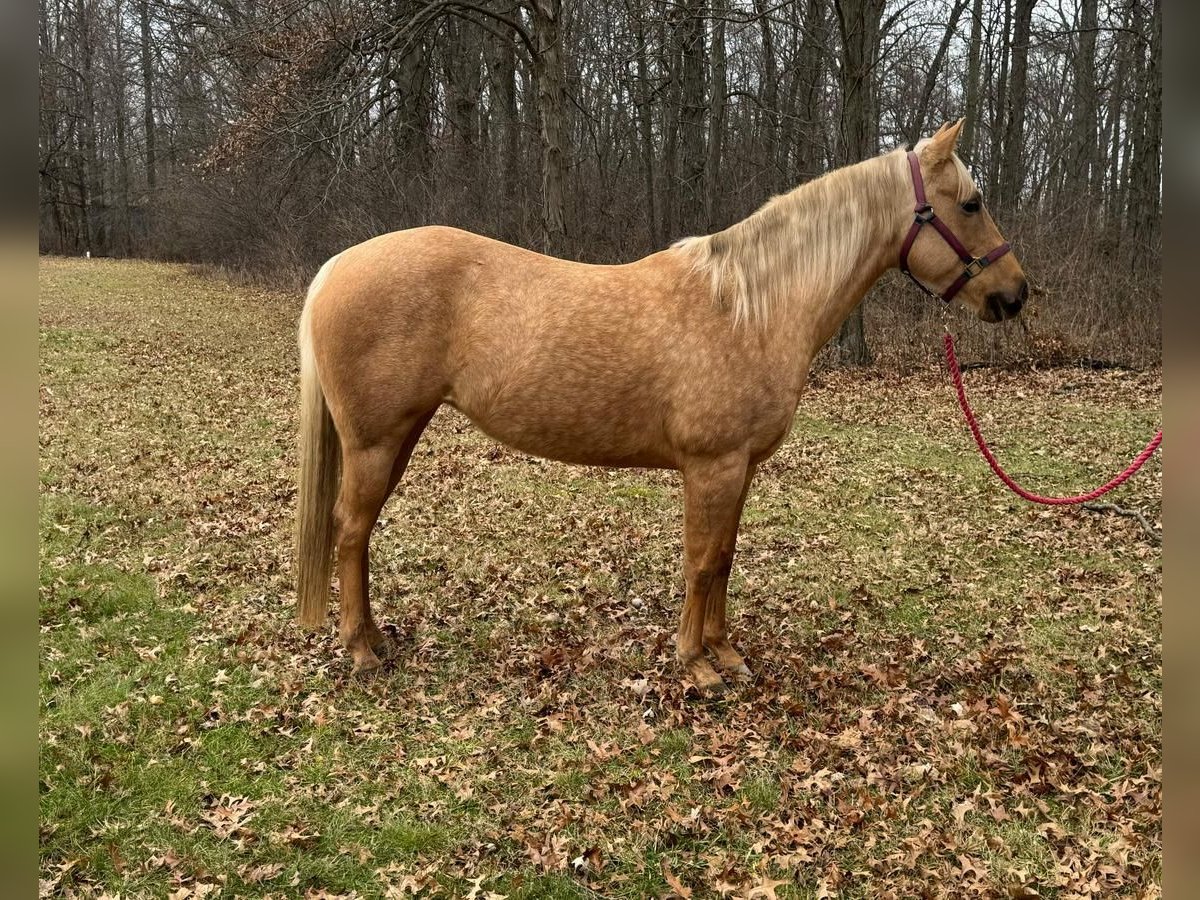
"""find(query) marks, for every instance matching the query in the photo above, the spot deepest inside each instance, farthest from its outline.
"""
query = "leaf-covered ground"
(957, 693)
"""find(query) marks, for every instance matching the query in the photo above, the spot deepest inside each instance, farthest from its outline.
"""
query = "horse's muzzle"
(1006, 304)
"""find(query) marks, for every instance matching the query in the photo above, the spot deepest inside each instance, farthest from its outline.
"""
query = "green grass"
(920, 638)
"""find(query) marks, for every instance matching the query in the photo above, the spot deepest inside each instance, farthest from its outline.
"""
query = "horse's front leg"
(713, 494)
(716, 629)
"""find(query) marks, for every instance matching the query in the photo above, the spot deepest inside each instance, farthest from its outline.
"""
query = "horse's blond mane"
(806, 240)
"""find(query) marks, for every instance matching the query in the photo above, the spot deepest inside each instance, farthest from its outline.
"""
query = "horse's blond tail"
(320, 467)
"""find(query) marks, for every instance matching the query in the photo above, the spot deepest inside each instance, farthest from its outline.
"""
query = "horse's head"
(954, 246)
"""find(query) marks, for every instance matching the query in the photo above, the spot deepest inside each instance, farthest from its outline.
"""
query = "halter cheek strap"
(924, 215)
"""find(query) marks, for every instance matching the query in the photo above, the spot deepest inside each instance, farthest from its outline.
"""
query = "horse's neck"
(814, 312)
(816, 321)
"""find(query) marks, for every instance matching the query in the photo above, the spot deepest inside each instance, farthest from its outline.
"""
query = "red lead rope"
(956, 374)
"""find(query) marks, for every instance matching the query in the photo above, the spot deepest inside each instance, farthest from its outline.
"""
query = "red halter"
(926, 216)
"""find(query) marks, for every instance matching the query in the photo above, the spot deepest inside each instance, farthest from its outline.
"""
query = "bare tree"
(859, 24)
(1012, 161)
(1084, 136)
(716, 120)
(548, 70)
(1145, 193)
(646, 125)
(966, 142)
(933, 73)
(147, 63)
(266, 136)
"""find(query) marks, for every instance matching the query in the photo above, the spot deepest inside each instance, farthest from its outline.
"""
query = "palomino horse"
(692, 359)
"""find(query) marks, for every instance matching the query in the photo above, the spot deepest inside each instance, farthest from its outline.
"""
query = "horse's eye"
(972, 206)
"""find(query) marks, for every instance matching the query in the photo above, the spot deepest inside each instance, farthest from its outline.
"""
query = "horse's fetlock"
(687, 655)
(352, 634)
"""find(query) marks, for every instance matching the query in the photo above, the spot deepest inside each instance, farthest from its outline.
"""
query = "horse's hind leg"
(375, 637)
(365, 476)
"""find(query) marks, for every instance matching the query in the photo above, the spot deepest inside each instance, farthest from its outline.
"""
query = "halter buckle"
(924, 214)
(977, 265)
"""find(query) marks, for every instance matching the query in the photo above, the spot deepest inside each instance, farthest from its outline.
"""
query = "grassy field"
(956, 693)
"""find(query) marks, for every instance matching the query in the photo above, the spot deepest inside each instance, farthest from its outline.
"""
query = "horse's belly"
(572, 426)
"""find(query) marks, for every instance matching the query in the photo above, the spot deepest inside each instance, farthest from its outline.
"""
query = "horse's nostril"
(1004, 305)
(1023, 292)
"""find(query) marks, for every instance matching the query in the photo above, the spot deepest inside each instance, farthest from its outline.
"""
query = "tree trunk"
(791, 99)
(1013, 164)
(858, 22)
(769, 95)
(148, 97)
(51, 226)
(996, 148)
(1083, 177)
(690, 34)
(504, 64)
(1145, 196)
(122, 241)
(966, 143)
(810, 146)
(410, 125)
(461, 72)
(646, 129)
(1116, 104)
(716, 121)
(89, 180)
(548, 70)
(672, 64)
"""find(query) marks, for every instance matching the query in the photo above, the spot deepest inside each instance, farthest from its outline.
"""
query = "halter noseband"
(926, 216)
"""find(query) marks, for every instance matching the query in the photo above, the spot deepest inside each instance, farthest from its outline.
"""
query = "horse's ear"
(941, 145)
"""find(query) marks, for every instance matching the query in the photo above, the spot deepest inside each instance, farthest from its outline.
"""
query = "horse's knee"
(711, 569)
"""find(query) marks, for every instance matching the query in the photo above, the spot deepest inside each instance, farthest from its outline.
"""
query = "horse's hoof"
(716, 688)
(737, 668)
(730, 660)
(366, 666)
(706, 679)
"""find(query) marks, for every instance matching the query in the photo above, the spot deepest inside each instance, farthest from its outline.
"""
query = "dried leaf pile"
(956, 694)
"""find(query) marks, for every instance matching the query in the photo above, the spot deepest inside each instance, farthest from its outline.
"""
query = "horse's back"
(585, 363)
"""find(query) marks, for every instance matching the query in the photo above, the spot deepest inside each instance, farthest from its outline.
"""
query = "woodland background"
(260, 137)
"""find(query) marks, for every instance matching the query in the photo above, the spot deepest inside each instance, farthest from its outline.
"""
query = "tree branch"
(1153, 534)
